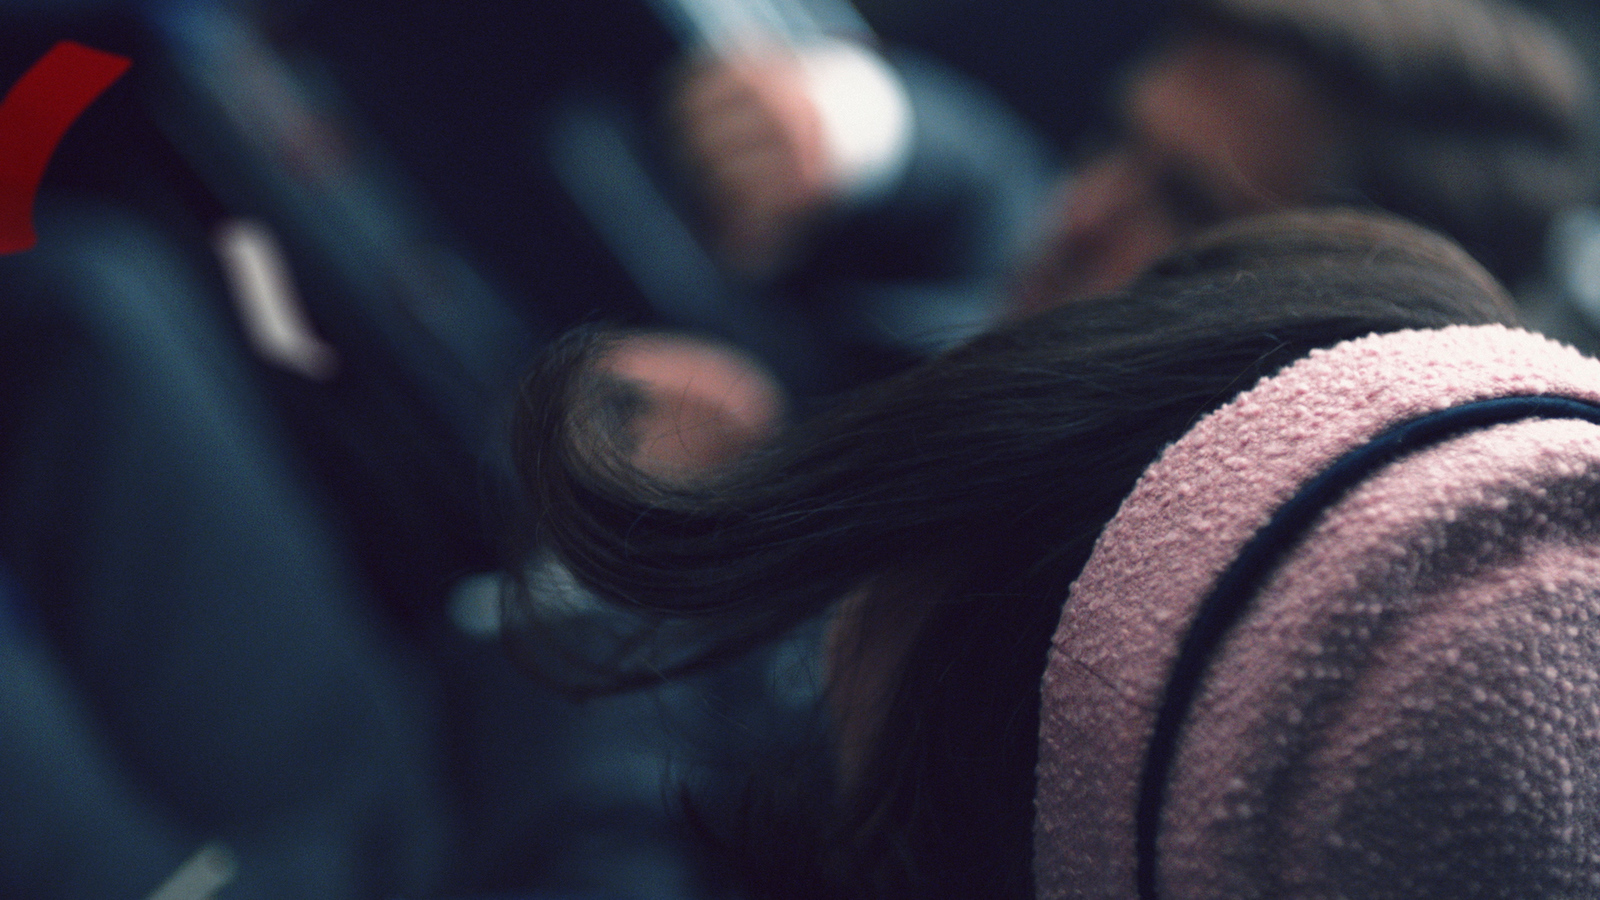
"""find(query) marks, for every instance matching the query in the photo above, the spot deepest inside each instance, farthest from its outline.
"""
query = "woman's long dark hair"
(958, 500)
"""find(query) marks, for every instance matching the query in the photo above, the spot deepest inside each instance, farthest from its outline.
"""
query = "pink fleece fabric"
(1411, 706)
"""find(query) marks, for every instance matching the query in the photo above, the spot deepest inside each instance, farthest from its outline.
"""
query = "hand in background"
(754, 143)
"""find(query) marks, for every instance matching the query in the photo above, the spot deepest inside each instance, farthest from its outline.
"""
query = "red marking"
(34, 116)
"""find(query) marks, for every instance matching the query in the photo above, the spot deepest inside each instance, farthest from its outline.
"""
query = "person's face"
(1212, 128)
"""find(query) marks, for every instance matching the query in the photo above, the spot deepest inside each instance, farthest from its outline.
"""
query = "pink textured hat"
(1408, 705)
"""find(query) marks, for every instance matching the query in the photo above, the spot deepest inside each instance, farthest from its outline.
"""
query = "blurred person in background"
(234, 649)
(1474, 118)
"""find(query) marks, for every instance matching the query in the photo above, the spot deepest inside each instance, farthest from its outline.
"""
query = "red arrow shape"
(34, 116)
